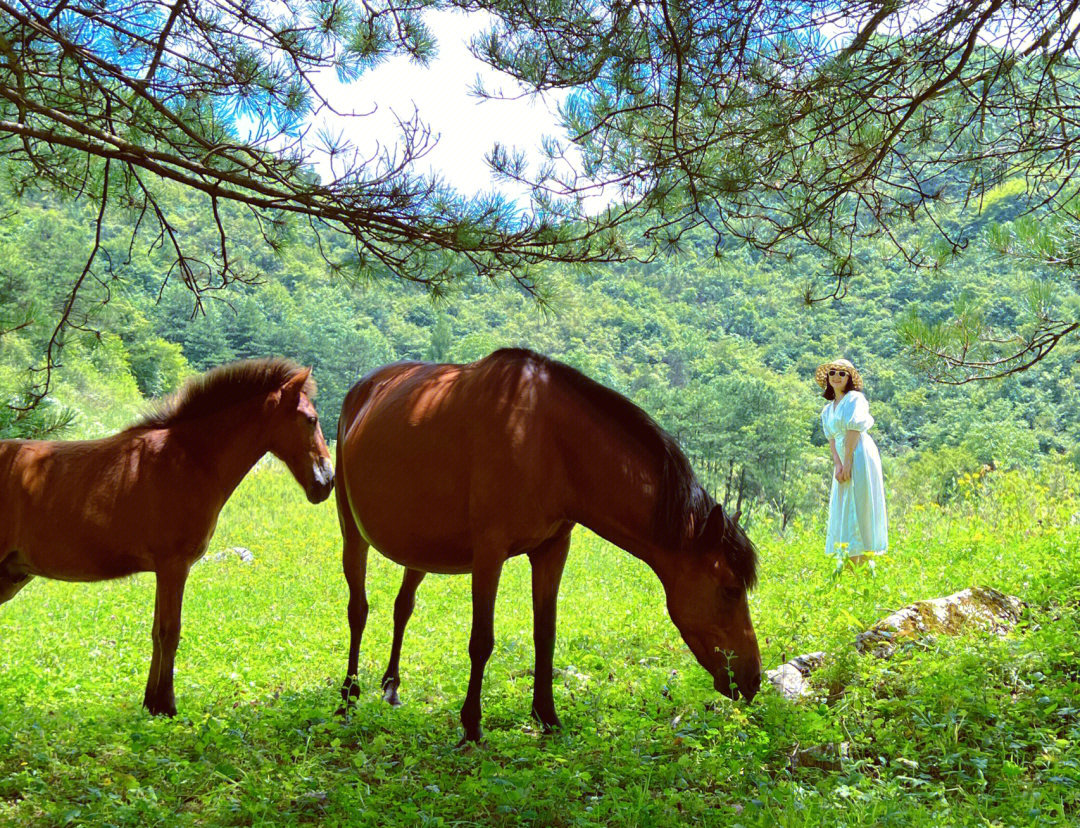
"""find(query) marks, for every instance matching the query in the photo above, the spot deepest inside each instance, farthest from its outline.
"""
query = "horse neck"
(614, 484)
(225, 444)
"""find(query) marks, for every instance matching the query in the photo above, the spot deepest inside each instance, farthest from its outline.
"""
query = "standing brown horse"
(455, 468)
(147, 499)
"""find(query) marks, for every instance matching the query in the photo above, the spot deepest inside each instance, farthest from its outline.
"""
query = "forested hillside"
(720, 349)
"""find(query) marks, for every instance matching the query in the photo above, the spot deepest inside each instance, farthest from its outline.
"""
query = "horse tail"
(347, 522)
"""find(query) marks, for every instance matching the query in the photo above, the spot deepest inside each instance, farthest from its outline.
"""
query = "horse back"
(86, 510)
(433, 456)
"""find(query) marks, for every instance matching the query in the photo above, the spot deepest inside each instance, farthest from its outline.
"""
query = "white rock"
(977, 607)
(790, 678)
(241, 552)
(980, 607)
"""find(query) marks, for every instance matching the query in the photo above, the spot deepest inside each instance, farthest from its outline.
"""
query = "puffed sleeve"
(856, 413)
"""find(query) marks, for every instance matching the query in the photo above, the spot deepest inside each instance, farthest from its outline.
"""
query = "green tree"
(442, 340)
(124, 104)
(818, 123)
(158, 366)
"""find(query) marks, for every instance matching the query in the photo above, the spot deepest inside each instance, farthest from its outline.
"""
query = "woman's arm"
(838, 464)
(851, 439)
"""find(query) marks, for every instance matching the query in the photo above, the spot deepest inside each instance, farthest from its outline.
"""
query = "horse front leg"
(159, 698)
(354, 553)
(485, 585)
(547, 562)
(403, 608)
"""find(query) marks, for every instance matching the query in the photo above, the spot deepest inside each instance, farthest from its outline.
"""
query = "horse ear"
(297, 382)
(715, 528)
(737, 517)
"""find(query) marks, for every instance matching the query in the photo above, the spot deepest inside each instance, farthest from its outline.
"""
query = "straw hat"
(821, 375)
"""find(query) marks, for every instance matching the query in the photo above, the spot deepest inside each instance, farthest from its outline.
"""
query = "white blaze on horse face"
(322, 471)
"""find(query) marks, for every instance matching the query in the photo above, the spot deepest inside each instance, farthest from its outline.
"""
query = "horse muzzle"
(322, 481)
(745, 686)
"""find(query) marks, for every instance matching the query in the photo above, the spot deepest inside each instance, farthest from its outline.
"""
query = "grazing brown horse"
(455, 468)
(147, 499)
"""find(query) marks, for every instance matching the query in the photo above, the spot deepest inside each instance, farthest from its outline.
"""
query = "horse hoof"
(549, 722)
(390, 696)
(348, 703)
(350, 692)
(474, 735)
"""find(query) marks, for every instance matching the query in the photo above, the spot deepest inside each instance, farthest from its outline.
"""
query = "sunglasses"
(833, 372)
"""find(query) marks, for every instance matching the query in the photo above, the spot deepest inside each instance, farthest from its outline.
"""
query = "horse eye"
(312, 419)
(732, 593)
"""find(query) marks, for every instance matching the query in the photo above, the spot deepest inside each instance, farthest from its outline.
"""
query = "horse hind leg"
(403, 609)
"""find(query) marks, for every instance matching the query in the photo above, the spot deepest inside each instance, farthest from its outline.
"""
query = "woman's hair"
(831, 395)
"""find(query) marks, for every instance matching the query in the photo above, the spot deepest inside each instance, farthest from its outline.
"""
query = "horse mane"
(740, 553)
(680, 493)
(681, 496)
(221, 387)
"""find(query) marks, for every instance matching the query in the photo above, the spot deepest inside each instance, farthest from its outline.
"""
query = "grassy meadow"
(973, 730)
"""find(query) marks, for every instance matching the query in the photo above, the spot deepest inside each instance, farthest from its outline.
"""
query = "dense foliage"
(115, 101)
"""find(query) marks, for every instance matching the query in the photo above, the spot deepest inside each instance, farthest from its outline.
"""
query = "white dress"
(857, 520)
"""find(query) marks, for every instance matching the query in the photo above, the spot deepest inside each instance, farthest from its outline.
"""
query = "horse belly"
(67, 517)
(410, 501)
(72, 544)
(435, 558)
(414, 536)
(84, 564)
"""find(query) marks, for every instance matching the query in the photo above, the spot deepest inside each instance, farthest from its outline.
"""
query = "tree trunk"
(784, 514)
(742, 487)
(727, 484)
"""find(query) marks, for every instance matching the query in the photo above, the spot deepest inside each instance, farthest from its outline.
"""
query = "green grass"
(974, 730)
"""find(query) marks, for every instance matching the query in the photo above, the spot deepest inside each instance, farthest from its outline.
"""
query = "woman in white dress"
(858, 525)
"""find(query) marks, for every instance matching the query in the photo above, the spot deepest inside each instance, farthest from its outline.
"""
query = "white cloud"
(467, 127)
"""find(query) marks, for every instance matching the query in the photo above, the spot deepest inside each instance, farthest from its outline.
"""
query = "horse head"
(297, 439)
(706, 587)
